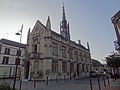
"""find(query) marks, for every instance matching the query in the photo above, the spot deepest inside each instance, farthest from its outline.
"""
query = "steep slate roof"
(12, 43)
(58, 35)
(79, 45)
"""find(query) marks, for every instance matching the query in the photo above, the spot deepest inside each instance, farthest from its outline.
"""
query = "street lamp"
(17, 60)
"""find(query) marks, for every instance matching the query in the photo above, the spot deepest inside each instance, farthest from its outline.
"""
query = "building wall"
(116, 22)
(13, 54)
(10, 67)
(46, 61)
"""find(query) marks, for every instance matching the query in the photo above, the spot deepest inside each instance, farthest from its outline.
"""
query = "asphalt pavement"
(77, 84)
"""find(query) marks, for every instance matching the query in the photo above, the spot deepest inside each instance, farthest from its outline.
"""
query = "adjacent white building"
(9, 52)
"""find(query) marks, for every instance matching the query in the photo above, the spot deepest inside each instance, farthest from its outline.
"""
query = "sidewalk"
(115, 86)
(112, 88)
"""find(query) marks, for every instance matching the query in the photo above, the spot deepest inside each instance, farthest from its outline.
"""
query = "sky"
(90, 21)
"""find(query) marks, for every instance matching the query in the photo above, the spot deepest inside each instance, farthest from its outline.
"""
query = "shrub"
(5, 86)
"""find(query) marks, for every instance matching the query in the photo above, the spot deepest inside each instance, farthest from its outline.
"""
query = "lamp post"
(17, 60)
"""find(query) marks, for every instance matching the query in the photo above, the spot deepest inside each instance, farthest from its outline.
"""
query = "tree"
(113, 60)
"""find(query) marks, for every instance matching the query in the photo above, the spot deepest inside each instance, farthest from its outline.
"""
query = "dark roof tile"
(12, 43)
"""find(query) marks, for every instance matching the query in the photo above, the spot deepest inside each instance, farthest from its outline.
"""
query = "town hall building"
(54, 55)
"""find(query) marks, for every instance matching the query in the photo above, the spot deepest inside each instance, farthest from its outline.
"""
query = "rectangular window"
(35, 48)
(70, 53)
(63, 51)
(54, 49)
(54, 66)
(64, 67)
(18, 53)
(83, 67)
(7, 51)
(36, 65)
(81, 57)
(71, 67)
(76, 55)
(5, 60)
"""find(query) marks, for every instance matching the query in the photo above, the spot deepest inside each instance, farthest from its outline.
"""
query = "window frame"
(54, 49)
(5, 60)
(7, 51)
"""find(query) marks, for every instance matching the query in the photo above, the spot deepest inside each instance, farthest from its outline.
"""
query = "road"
(79, 84)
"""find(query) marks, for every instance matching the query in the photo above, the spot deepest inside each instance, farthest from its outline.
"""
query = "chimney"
(79, 42)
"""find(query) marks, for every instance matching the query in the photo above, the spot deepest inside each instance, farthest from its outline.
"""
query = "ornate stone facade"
(55, 55)
(116, 22)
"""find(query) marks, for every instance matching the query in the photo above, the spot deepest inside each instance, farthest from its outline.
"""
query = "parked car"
(93, 73)
(102, 73)
(108, 72)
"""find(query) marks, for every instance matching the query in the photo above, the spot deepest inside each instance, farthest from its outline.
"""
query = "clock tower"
(64, 27)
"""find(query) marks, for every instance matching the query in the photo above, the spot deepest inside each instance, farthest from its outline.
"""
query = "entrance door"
(77, 69)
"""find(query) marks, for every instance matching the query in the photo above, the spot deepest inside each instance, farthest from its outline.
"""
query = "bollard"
(64, 78)
(99, 83)
(20, 84)
(104, 81)
(70, 76)
(56, 79)
(112, 76)
(108, 80)
(34, 82)
(91, 84)
(47, 81)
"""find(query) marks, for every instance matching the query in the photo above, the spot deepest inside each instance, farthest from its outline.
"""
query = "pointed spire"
(29, 31)
(48, 24)
(28, 35)
(88, 46)
(64, 17)
(64, 21)
(64, 26)
(68, 28)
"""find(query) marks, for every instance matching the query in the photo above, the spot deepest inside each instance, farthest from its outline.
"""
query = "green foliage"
(5, 86)
(113, 60)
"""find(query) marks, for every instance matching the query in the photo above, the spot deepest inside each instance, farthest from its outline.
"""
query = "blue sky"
(90, 20)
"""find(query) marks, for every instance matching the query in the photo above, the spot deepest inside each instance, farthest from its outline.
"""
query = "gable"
(39, 27)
